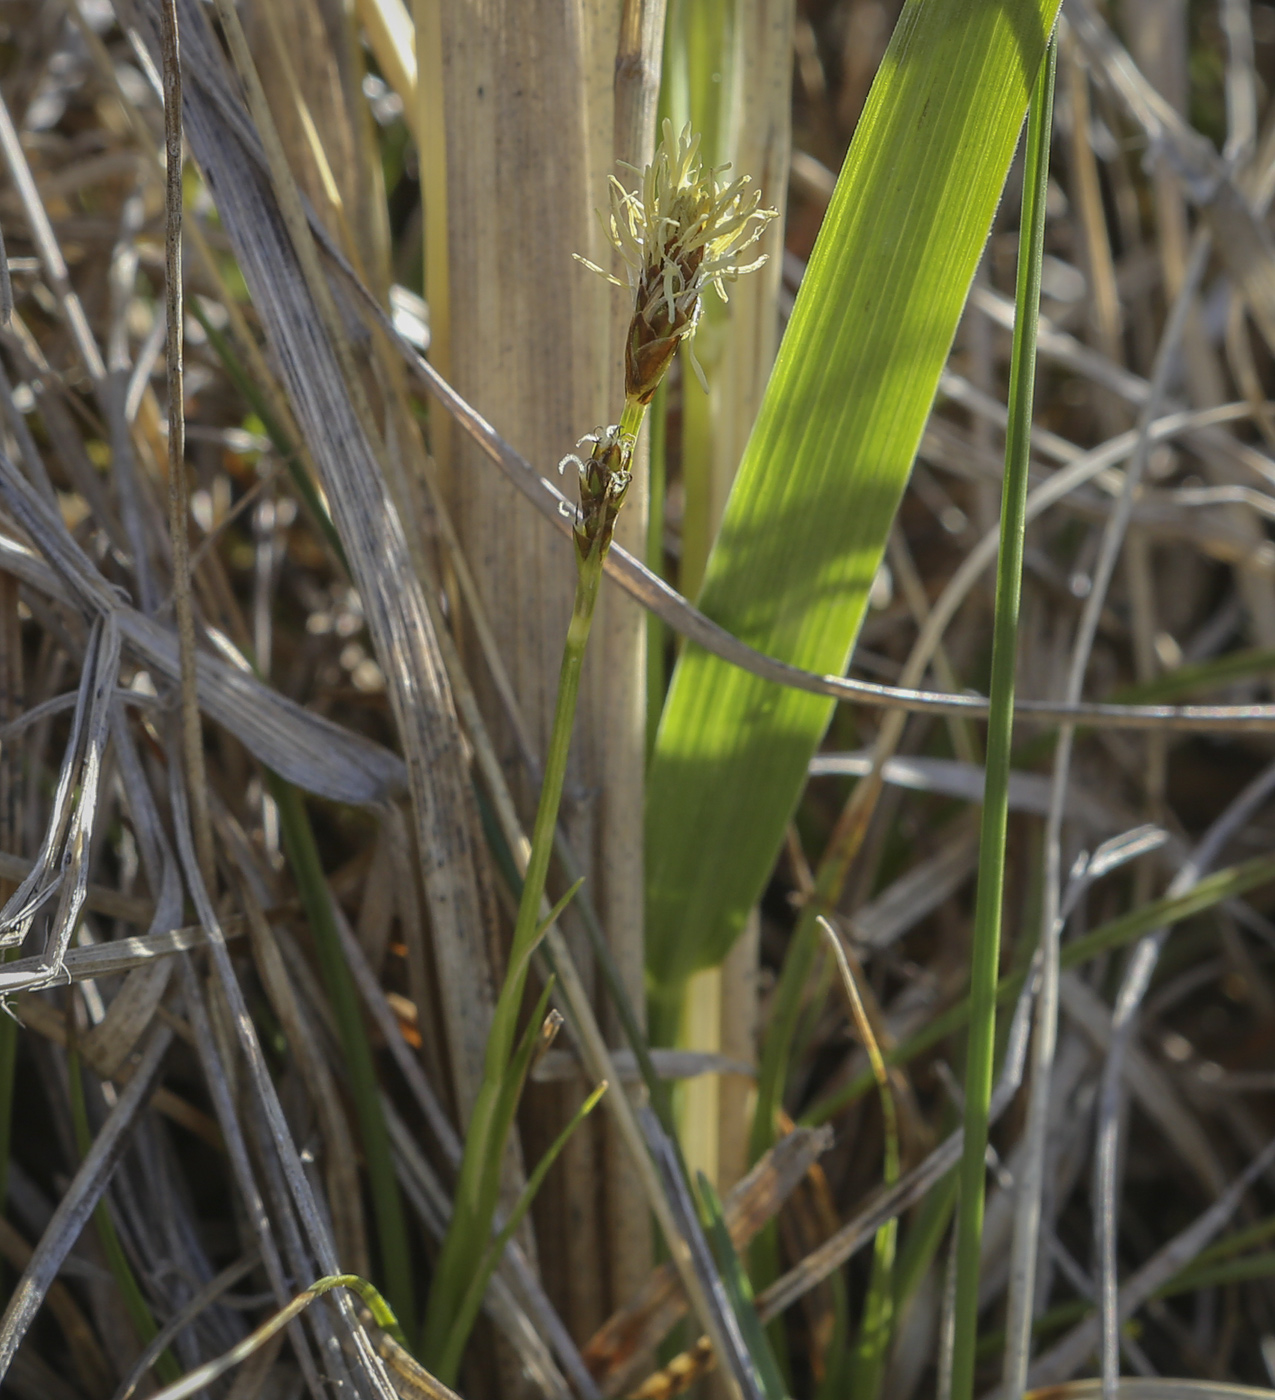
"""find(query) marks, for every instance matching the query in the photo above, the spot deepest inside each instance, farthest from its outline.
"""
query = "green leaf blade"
(827, 462)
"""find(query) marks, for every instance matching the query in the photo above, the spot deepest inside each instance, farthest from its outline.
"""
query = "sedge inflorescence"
(604, 483)
(685, 229)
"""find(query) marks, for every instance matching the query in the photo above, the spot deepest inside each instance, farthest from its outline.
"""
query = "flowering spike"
(604, 481)
(685, 231)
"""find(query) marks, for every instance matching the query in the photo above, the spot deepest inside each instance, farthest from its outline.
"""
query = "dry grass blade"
(1243, 242)
(400, 1361)
(724, 1329)
(109, 959)
(62, 867)
(91, 1366)
(306, 749)
(858, 1233)
(669, 605)
(1066, 1356)
(178, 487)
(1133, 988)
(370, 530)
(1151, 1388)
(1028, 792)
(77, 1203)
(317, 1236)
(207, 1295)
(348, 1226)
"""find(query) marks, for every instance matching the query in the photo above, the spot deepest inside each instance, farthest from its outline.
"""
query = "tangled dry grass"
(190, 1140)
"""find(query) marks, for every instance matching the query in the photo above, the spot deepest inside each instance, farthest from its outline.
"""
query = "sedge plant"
(683, 230)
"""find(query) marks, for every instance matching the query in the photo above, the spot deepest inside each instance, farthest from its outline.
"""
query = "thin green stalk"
(867, 1367)
(166, 1365)
(924, 1239)
(482, 1275)
(656, 633)
(683, 231)
(387, 1204)
(478, 1182)
(656, 1088)
(739, 1290)
(991, 866)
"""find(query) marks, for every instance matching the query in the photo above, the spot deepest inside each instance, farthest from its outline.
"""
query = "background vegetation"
(273, 726)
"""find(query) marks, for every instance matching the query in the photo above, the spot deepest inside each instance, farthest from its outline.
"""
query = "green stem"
(387, 1204)
(656, 635)
(482, 1276)
(630, 425)
(991, 864)
(478, 1182)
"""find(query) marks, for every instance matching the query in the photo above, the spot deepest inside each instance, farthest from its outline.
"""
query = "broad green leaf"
(828, 459)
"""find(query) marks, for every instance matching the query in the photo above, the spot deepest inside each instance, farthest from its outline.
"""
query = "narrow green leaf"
(826, 465)
(740, 1292)
(980, 1047)
(472, 1301)
(387, 1204)
(1203, 676)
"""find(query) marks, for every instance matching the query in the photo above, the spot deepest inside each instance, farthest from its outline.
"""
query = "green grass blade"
(922, 1244)
(1202, 676)
(981, 1045)
(740, 1292)
(825, 467)
(387, 1203)
(533, 1036)
(467, 1314)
